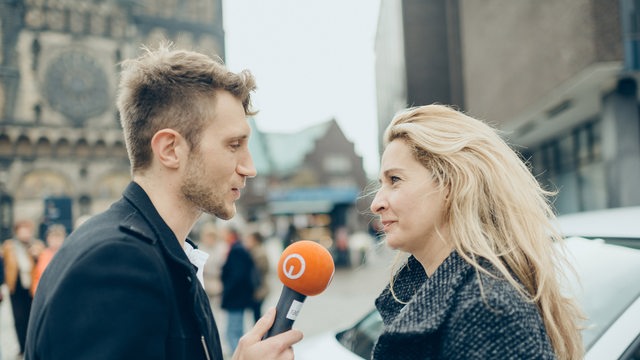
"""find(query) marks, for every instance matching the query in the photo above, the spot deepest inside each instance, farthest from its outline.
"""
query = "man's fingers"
(285, 340)
(251, 345)
(264, 323)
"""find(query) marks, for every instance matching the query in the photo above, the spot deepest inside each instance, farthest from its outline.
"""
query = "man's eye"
(236, 145)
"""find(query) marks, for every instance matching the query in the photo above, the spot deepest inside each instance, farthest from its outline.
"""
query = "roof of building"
(259, 148)
(283, 152)
(310, 200)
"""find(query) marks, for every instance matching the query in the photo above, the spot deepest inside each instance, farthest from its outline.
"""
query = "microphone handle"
(287, 311)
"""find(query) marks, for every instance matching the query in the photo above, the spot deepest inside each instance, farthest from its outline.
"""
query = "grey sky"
(313, 61)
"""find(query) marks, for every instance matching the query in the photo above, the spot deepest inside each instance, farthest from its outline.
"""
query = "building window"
(337, 164)
(572, 164)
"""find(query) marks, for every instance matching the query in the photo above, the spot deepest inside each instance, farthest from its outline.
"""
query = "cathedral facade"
(60, 136)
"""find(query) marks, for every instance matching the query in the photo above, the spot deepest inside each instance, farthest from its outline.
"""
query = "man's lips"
(237, 191)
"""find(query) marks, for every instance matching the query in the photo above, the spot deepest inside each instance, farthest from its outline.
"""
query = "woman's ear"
(167, 147)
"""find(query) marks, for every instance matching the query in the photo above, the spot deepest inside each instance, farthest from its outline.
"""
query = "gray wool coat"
(447, 317)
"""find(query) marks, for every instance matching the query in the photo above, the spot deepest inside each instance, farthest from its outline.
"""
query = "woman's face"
(409, 202)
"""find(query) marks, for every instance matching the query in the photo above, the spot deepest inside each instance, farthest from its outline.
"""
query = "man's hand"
(279, 347)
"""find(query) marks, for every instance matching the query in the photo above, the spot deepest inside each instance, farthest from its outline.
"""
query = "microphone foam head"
(306, 267)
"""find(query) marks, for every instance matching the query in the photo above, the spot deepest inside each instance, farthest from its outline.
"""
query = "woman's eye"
(394, 179)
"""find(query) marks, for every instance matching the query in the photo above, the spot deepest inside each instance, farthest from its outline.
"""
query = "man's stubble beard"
(196, 190)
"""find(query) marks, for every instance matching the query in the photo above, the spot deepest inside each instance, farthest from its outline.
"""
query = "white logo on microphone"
(290, 271)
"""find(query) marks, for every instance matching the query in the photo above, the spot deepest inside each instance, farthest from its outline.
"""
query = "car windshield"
(609, 282)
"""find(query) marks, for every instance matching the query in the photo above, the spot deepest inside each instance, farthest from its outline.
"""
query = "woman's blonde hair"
(496, 210)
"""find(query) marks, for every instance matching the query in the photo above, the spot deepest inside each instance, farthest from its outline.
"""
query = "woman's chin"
(391, 242)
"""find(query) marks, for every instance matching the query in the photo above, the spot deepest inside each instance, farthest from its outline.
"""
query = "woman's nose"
(378, 204)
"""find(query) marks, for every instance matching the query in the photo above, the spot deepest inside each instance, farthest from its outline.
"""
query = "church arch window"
(82, 149)
(44, 148)
(5, 146)
(63, 148)
(24, 147)
(100, 149)
(41, 183)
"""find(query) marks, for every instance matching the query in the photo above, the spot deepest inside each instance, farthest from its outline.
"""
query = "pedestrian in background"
(212, 243)
(291, 235)
(126, 284)
(237, 286)
(55, 236)
(482, 277)
(254, 242)
(20, 254)
(1, 291)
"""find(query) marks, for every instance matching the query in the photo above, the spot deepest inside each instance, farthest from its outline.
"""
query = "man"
(122, 286)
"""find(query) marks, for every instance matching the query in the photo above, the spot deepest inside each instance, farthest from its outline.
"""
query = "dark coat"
(122, 287)
(237, 282)
(446, 317)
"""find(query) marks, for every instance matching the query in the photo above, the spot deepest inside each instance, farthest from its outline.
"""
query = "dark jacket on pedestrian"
(237, 278)
(261, 262)
(122, 287)
(448, 317)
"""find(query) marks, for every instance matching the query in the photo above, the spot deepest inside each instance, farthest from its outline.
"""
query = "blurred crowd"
(235, 274)
(23, 258)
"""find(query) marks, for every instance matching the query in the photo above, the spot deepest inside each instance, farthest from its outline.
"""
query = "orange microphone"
(305, 269)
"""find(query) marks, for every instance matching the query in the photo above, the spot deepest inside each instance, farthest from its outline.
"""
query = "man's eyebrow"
(239, 137)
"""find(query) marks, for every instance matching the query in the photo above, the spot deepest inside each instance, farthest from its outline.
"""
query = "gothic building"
(60, 137)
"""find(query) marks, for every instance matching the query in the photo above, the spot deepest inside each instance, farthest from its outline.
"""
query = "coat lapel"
(154, 228)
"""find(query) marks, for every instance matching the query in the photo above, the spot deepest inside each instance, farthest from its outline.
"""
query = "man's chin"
(227, 214)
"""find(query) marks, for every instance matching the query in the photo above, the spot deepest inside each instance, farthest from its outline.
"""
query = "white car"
(604, 248)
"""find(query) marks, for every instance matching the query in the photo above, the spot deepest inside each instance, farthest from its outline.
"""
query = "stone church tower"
(62, 153)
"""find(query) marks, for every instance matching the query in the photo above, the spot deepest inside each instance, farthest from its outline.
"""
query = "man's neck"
(173, 209)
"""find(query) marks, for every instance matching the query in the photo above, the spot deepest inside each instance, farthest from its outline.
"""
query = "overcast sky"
(313, 61)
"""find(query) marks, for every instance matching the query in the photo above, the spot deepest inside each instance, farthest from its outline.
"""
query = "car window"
(361, 338)
(608, 282)
(633, 352)
(620, 241)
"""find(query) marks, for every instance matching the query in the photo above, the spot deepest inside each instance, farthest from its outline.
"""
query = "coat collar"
(154, 229)
(429, 299)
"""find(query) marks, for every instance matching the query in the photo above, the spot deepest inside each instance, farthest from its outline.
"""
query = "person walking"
(254, 242)
(20, 254)
(237, 286)
(2, 278)
(126, 284)
(55, 236)
(212, 243)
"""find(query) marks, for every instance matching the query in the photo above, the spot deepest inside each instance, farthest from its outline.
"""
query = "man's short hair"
(167, 88)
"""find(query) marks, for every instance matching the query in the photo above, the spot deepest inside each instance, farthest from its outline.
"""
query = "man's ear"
(168, 147)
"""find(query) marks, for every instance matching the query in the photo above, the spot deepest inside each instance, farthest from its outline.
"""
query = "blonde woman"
(482, 278)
